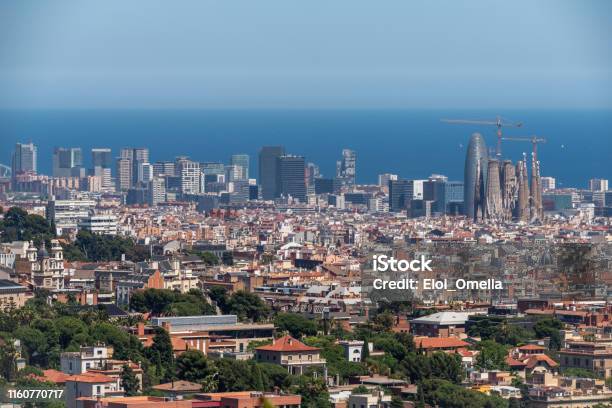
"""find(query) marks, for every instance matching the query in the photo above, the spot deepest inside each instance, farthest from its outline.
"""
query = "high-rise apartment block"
(548, 183)
(67, 162)
(157, 191)
(24, 159)
(190, 174)
(346, 168)
(101, 165)
(241, 160)
(291, 177)
(268, 170)
(598, 184)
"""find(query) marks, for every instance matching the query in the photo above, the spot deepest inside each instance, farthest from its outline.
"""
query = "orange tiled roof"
(529, 347)
(287, 343)
(536, 358)
(439, 342)
(90, 378)
(51, 375)
(514, 363)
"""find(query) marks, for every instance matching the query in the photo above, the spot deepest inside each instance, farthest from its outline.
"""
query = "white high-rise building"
(191, 176)
(415, 188)
(548, 183)
(598, 184)
(157, 191)
(146, 172)
(383, 179)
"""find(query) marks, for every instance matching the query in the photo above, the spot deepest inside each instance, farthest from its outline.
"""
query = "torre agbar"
(497, 190)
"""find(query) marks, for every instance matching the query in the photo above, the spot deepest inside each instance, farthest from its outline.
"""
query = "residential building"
(292, 354)
(67, 214)
(13, 295)
(593, 356)
(353, 349)
(102, 224)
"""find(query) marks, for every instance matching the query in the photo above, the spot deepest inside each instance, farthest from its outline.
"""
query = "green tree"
(227, 258)
(257, 378)
(72, 331)
(192, 365)
(161, 354)
(129, 381)
(445, 394)
(18, 225)
(297, 325)
(551, 328)
(383, 322)
(492, 355)
(361, 389)
(209, 258)
(247, 306)
(34, 344)
(313, 391)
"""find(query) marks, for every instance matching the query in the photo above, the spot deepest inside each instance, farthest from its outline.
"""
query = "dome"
(42, 252)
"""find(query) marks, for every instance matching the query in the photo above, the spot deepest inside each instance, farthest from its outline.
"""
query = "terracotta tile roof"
(536, 358)
(90, 378)
(51, 375)
(530, 347)
(439, 342)
(514, 363)
(287, 343)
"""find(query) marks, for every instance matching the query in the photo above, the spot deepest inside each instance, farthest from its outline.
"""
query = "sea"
(411, 143)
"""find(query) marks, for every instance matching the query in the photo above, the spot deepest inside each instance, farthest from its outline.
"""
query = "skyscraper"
(291, 177)
(475, 177)
(399, 195)
(268, 169)
(157, 191)
(191, 175)
(124, 173)
(346, 168)
(548, 183)
(67, 161)
(241, 160)
(598, 184)
(24, 159)
(140, 156)
(101, 157)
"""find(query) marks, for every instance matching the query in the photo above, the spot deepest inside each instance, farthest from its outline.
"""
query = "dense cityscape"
(126, 281)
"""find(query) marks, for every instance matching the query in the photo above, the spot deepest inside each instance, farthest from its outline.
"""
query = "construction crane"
(533, 139)
(499, 122)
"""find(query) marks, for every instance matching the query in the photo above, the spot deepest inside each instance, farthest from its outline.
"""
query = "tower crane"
(499, 122)
(533, 139)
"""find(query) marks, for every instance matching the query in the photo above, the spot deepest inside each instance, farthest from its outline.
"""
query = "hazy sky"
(309, 53)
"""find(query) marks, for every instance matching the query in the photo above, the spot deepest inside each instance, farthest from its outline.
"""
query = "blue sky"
(305, 54)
